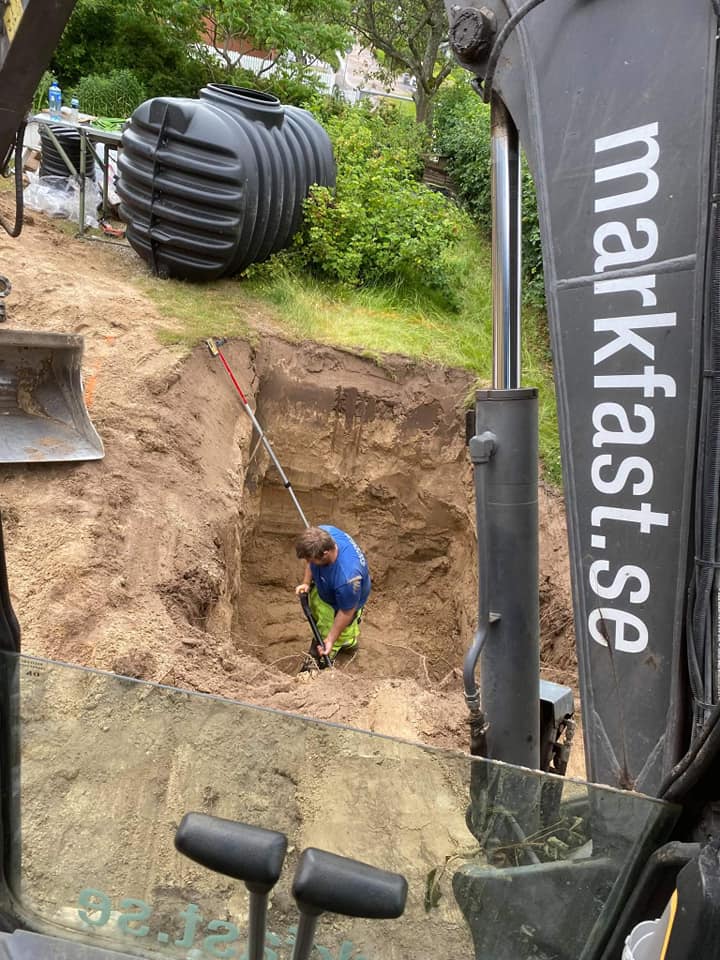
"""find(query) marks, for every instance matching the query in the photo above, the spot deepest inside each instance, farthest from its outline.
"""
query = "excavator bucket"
(43, 417)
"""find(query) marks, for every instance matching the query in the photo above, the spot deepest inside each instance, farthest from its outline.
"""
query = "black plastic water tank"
(51, 162)
(209, 186)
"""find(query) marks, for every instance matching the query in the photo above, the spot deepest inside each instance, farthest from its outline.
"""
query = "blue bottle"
(55, 101)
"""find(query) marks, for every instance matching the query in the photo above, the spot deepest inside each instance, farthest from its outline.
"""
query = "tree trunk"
(423, 107)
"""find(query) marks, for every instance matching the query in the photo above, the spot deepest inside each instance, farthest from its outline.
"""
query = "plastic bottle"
(55, 101)
(74, 110)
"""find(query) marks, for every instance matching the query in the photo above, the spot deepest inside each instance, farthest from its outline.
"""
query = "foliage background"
(381, 224)
(462, 134)
(104, 36)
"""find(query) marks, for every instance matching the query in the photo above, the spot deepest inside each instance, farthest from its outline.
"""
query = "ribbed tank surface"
(209, 186)
(52, 163)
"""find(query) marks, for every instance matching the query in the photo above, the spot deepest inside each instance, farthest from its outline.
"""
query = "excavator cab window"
(102, 769)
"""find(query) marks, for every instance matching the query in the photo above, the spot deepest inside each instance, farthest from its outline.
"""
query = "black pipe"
(16, 229)
(697, 762)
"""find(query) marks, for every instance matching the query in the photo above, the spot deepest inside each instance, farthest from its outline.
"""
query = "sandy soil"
(171, 559)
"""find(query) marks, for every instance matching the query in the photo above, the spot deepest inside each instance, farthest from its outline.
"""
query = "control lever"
(327, 883)
(251, 854)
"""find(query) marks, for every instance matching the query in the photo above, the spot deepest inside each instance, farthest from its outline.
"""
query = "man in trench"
(337, 580)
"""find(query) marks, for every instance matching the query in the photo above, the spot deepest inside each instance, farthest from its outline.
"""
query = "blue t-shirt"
(344, 584)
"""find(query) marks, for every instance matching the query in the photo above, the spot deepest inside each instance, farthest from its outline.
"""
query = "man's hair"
(312, 543)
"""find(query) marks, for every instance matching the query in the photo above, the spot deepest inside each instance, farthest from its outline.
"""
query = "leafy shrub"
(381, 224)
(294, 84)
(462, 134)
(114, 95)
(107, 35)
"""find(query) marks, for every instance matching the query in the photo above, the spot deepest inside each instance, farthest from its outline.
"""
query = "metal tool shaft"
(214, 348)
(305, 937)
(256, 925)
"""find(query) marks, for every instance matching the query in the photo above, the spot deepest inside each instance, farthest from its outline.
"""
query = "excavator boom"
(615, 107)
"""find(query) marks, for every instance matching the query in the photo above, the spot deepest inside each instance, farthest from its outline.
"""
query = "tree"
(411, 35)
(164, 41)
(152, 38)
(306, 29)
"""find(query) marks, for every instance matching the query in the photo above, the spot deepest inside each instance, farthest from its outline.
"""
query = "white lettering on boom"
(642, 167)
(622, 427)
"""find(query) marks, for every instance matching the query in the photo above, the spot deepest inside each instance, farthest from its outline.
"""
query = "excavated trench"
(377, 450)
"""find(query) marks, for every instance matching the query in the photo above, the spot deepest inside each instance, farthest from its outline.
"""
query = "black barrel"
(52, 163)
(209, 186)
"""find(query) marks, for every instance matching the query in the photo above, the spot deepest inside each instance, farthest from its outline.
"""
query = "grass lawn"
(374, 321)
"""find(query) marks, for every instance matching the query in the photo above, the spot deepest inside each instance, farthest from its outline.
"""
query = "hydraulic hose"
(480, 452)
(696, 762)
(703, 655)
(497, 47)
(16, 229)
(481, 449)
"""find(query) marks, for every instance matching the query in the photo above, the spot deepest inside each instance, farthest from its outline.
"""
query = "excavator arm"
(41, 395)
(615, 105)
(29, 33)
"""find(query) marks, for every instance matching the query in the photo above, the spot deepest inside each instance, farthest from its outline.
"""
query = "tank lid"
(252, 103)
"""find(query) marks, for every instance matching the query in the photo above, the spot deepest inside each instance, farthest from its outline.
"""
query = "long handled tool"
(238, 850)
(324, 882)
(213, 346)
(323, 660)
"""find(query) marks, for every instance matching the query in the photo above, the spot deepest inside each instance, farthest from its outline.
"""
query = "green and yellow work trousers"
(323, 614)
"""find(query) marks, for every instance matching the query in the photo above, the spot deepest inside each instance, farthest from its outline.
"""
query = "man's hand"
(301, 588)
(343, 618)
(325, 648)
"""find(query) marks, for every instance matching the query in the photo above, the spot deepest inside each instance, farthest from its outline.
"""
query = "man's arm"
(343, 618)
(307, 580)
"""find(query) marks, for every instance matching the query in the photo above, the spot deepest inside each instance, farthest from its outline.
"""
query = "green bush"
(295, 84)
(462, 134)
(107, 35)
(381, 224)
(114, 95)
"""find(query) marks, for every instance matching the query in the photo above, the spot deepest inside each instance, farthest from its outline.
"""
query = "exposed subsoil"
(172, 559)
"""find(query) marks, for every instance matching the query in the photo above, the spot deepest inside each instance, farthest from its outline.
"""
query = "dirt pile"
(172, 558)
